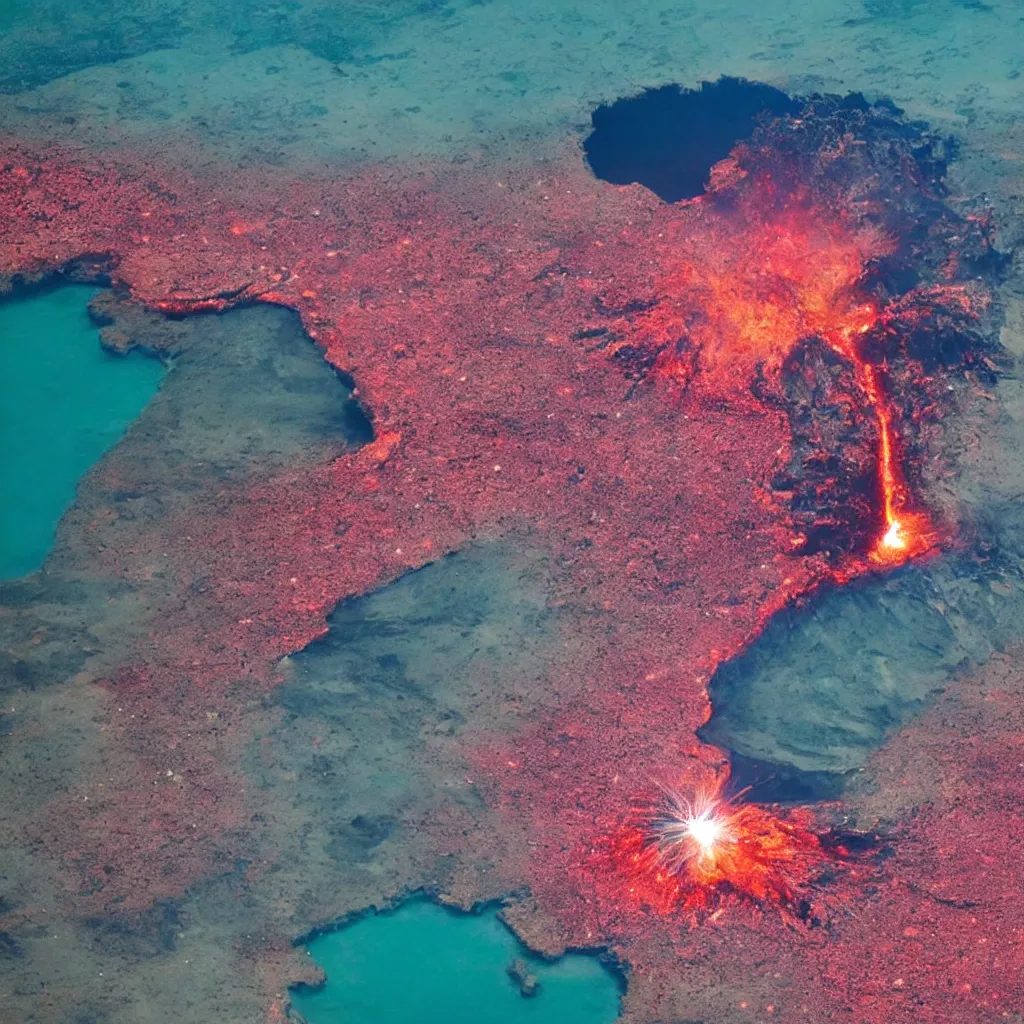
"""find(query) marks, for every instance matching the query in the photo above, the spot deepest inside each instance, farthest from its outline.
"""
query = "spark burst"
(695, 854)
(690, 830)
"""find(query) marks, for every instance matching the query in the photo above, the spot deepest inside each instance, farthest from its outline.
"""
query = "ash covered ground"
(444, 639)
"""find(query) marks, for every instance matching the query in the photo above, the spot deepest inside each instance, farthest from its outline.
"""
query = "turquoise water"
(424, 963)
(66, 401)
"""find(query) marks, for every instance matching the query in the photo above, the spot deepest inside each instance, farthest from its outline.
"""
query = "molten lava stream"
(801, 278)
(905, 533)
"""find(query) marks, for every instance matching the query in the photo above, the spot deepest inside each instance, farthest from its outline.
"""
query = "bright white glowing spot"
(704, 831)
(894, 538)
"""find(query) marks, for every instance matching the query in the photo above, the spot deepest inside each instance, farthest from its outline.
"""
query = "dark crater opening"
(669, 138)
(772, 782)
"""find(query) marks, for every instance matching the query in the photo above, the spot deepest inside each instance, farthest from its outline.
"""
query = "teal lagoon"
(425, 963)
(66, 401)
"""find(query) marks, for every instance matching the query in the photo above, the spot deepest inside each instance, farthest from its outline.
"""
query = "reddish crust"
(476, 313)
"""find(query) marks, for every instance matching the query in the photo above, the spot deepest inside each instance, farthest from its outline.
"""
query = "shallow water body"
(425, 963)
(824, 685)
(66, 402)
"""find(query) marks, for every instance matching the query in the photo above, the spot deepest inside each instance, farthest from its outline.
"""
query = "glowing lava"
(735, 317)
(689, 830)
(904, 533)
(694, 855)
(894, 539)
(705, 831)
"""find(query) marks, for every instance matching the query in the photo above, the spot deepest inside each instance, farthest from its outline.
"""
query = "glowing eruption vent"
(689, 831)
(693, 854)
(704, 830)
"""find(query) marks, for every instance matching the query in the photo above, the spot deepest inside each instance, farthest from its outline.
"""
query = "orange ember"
(741, 313)
(697, 853)
(795, 278)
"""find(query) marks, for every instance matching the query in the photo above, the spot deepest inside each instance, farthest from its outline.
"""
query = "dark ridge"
(769, 782)
(95, 268)
(831, 476)
(669, 138)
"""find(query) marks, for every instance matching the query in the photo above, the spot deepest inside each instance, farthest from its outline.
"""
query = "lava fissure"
(805, 322)
(904, 533)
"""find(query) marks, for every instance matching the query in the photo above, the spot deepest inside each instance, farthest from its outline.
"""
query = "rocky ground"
(225, 723)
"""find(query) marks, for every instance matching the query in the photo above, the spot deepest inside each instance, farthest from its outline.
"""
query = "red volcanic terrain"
(688, 416)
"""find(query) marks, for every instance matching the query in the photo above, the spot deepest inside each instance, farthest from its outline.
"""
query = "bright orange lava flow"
(905, 533)
(743, 312)
(694, 855)
(795, 278)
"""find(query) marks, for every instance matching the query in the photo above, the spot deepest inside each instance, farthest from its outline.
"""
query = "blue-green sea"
(66, 402)
(425, 963)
